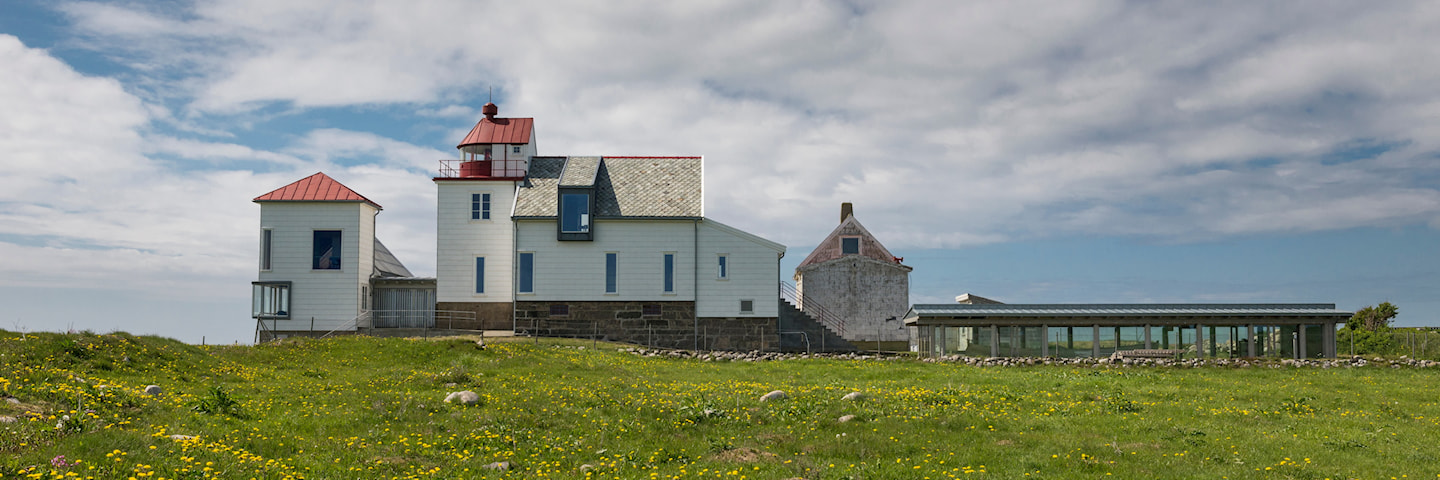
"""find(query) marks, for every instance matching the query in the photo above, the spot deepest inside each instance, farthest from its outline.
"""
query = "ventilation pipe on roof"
(846, 211)
(490, 110)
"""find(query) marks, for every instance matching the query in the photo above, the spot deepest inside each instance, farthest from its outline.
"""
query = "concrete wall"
(863, 291)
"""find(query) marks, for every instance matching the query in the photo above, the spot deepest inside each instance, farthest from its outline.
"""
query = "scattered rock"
(773, 396)
(8, 420)
(464, 397)
(177, 437)
(847, 418)
(587, 467)
(12, 400)
(501, 466)
(853, 396)
(152, 389)
(450, 384)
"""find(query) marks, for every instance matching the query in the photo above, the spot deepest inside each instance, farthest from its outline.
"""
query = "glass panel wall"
(976, 341)
(1314, 341)
(1276, 341)
(1130, 338)
(1071, 342)
(1225, 341)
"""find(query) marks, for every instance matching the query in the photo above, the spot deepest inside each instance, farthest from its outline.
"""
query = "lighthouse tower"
(475, 237)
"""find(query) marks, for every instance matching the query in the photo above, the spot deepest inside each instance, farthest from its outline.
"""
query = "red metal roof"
(499, 130)
(315, 188)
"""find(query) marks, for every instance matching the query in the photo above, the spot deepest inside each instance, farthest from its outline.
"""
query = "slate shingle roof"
(625, 187)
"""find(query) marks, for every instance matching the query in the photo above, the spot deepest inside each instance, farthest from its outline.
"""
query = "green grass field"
(372, 408)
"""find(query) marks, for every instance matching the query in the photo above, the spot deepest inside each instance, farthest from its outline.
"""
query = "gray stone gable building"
(852, 276)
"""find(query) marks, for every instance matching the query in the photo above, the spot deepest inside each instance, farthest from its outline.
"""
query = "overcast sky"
(1032, 152)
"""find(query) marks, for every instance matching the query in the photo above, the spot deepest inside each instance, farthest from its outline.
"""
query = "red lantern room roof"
(498, 130)
(315, 188)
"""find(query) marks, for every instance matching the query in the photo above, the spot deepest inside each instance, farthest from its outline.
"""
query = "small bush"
(218, 402)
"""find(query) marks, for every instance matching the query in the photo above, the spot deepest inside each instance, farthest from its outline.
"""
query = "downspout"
(695, 278)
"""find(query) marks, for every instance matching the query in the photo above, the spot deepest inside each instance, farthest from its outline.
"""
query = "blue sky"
(1047, 152)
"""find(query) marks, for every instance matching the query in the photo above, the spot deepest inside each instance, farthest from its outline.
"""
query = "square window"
(515, 149)
(850, 245)
(327, 250)
(560, 310)
(747, 306)
(652, 310)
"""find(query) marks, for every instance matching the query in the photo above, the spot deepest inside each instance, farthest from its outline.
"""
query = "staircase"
(821, 338)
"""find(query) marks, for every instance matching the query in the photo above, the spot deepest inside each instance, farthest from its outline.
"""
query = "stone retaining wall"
(675, 326)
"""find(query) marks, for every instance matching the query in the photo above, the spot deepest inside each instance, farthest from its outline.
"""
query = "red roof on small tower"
(315, 188)
(498, 130)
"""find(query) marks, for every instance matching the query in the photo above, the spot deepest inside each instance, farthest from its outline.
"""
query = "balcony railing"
(501, 168)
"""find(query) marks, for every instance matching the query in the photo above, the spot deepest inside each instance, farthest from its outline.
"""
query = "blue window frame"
(527, 272)
(479, 206)
(574, 213)
(724, 267)
(327, 250)
(610, 267)
(669, 273)
(479, 274)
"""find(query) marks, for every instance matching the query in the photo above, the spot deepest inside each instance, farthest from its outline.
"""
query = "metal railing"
(814, 309)
(355, 324)
(496, 168)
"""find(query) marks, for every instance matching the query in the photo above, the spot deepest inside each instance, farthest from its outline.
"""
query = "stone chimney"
(846, 211)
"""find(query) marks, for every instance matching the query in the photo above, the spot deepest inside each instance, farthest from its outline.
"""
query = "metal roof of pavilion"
(1071, 310)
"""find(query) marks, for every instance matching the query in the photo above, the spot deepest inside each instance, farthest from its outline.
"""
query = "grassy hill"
(372, 408)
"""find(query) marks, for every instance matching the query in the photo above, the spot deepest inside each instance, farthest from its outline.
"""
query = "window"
(574, 213)
(559, 310)
(651, 310)
(724, 267)
(479, 206)
(747, 306)
(850, 245)
(527, 272)
(479, 274)
(270, 300)
(515, 149)
(327, 250)
(266, 236)
(669, 273)
(610, 267)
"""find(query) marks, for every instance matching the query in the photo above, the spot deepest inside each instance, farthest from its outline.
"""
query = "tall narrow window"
(849, 245)
(527, 272)
(723, 271)
(479, 206)
(327, 250)
(610, 267)
(479, 274)
(574, 213)
(669, 273)
(266, 236)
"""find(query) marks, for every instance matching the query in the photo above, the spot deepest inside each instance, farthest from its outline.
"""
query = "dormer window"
(575, 207)
(849, 245)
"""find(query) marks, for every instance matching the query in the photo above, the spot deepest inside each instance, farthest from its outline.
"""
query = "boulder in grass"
(152, 390)
(178, 437)
(853, 396)
(463, 397)
(8, 420)
(773, 396)
(847, 418)
(501, 466)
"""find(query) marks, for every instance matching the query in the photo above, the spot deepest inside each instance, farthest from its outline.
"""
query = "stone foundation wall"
(488, 315)
(674, 327)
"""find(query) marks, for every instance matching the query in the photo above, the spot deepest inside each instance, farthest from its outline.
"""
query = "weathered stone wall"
(488, 315)
(862, 291)
(625, 321)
